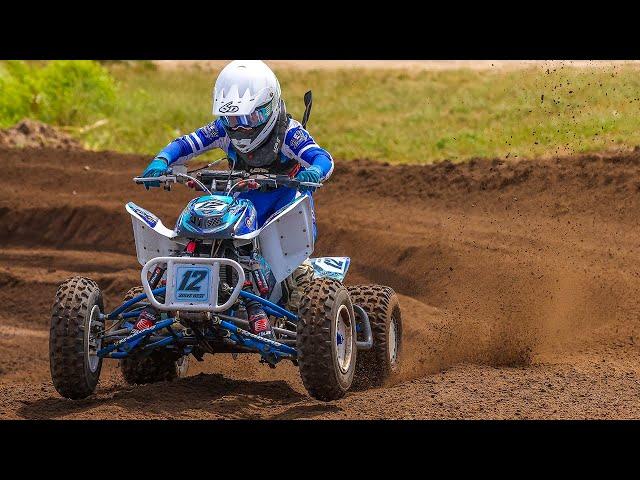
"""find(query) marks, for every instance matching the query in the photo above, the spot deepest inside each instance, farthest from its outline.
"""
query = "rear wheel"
(132, 293)
(158, 366)
(161, 365)
(381, 304)
(74, 339)
(326, 340)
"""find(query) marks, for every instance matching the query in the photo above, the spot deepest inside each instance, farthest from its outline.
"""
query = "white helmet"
(246, 97)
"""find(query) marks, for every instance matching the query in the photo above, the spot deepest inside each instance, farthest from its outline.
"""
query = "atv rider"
(258, 136)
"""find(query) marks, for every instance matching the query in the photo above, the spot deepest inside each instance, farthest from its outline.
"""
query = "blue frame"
(271, 351)
(277, 309)
(113, 315)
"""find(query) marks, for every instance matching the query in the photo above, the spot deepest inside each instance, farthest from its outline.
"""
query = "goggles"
(259, 116)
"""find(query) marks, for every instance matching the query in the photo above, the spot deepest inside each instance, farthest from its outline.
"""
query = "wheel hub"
(344, 338)
(93, 344)
(392, 343)
(182, 365)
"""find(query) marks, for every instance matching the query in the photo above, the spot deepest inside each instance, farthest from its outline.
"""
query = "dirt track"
(518, 281)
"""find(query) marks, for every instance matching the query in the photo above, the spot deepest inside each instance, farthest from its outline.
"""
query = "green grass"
(67, 92)
(400, 116)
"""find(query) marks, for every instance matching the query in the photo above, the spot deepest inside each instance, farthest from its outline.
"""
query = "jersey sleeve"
(206, 138)
(301, 146)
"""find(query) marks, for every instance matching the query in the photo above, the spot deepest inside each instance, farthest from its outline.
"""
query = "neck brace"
(268, 151)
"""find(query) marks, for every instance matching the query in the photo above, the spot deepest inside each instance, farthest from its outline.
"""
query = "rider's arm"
(300, 145)
(203, 139)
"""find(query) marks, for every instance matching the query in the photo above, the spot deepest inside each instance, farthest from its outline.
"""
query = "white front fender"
(152, 238)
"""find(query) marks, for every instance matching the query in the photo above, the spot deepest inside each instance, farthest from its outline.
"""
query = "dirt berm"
(518, 281)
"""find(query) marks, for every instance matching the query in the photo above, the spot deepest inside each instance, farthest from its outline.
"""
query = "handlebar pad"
(206, 176)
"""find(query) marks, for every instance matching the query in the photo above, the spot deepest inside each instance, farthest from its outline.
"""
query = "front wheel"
(326, 340)
(74, 339)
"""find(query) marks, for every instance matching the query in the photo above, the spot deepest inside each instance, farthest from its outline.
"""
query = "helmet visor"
(258, 117)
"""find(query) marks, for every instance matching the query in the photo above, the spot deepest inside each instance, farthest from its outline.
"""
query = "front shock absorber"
(156, 276)
(261, 282)
(259, 277)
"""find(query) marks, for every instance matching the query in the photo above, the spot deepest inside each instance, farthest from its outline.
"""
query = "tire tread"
(380, 302)
(314, 340)
(66, 337)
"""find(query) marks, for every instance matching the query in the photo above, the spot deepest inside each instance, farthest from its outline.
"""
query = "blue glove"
(156, 168)
(311, 174)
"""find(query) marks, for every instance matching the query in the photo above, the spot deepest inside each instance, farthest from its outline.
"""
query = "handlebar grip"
(161, 178)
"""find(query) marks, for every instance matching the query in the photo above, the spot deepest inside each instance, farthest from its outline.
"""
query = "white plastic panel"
(287, 240)
(152, 238)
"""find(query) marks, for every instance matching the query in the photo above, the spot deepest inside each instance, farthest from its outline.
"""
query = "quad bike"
(198, 278)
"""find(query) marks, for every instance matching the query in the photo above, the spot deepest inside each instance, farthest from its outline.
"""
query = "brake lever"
(252, 184)
(249, 183)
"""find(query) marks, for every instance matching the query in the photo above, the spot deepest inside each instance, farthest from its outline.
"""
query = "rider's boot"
(259, 323)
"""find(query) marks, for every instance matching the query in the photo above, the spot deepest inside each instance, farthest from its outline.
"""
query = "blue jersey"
(298, 145)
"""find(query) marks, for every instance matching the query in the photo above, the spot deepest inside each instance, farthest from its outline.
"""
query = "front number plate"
(193, 284)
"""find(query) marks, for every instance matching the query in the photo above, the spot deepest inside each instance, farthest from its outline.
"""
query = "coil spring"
(228, 275)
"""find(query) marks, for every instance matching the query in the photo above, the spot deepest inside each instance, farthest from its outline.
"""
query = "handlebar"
(238, 181)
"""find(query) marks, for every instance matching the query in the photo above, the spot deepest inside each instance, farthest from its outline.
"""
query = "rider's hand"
(156, 168)
(312, 174)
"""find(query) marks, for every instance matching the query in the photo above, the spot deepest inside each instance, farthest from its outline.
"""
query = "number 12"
(196, 277)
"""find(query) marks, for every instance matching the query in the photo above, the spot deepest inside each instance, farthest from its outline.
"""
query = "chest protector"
(267, 158)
